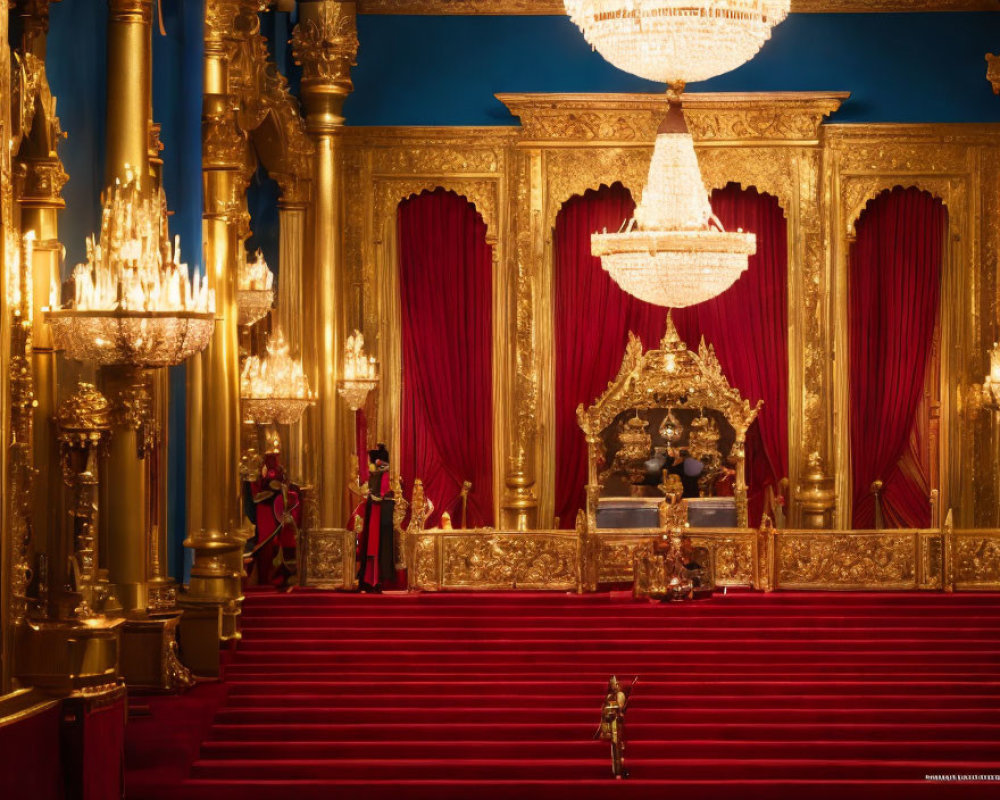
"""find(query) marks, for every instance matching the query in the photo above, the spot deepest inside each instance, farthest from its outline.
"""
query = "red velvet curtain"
(445, 282)
(895, 279)
(748, 326)
(593, 318)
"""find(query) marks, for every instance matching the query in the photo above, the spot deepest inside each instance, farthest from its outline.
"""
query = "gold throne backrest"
(669, 376)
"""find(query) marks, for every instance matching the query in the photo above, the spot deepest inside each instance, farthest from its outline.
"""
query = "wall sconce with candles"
(360, 372)
(274, 388)
(255, 294)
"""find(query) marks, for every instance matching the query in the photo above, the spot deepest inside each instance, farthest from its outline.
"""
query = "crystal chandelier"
(255, 292)
(677, 40)
(675, 252)
(274, 389)
(360, 372)
(134, 301)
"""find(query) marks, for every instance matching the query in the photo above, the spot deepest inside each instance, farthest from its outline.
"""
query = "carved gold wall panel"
(326, 558)
(492, 560)
(822, 175)
(859, 560)
(976, 560)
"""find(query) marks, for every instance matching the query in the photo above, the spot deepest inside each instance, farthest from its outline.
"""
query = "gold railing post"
(325, 43)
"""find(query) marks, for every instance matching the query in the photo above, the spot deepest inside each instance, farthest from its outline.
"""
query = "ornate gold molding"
(556, 7)
(633, 118)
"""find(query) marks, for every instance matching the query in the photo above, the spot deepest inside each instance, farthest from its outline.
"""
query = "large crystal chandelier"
(677, 40)
(274, 389)
(134, 301)
(675, 252)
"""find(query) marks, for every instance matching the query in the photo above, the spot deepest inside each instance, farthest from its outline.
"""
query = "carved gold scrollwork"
(850, 560)
(326, 47)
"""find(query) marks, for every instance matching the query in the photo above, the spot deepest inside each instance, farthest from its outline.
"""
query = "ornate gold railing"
(765, 559)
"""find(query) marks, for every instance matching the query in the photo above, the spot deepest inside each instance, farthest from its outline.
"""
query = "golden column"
(325, 43)
(292, 207)
(124, 493)
(40, 179)
(215, 513)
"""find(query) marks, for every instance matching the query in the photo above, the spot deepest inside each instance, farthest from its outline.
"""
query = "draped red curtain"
(748, 326)
(895, 280)
(593, 318)
(445, 283)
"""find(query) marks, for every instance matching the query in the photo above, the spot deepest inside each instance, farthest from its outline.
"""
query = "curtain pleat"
(445, 285)
(895, 284)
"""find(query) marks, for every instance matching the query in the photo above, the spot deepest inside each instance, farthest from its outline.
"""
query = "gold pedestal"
(65, 656)
(149, 654)
(199, 635)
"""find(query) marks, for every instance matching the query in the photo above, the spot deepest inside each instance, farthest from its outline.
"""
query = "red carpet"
(495, 696)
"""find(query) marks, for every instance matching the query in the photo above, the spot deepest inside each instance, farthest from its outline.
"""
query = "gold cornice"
(555, 7)
(632, 119)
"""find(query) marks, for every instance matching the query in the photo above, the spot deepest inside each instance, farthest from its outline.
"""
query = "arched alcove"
(895, 275)
(747, 324)
(446, 313)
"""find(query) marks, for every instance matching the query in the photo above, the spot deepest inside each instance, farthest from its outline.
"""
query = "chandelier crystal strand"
(671, 40)
(134, 300)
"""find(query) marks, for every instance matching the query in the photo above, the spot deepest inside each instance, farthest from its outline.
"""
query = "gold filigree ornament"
(675, 252)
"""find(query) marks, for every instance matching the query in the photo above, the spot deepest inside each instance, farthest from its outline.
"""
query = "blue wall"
(415, 70)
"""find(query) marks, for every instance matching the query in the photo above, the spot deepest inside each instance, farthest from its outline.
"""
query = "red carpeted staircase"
(495, 696)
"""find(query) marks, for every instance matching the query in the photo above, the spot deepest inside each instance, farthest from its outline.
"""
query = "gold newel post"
(216, 532)
(325, 44)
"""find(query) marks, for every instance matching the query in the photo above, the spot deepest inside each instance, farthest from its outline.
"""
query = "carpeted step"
(574, 731)
(595, 766)
(674, 748)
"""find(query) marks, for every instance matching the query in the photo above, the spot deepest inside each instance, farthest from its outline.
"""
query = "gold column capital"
(325, 45)
(223, 143)
(38, 183)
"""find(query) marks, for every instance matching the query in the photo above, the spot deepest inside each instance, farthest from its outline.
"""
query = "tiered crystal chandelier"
(675, 252)
(255, 292)
(360, 372)
(274, 389)
(134, 301)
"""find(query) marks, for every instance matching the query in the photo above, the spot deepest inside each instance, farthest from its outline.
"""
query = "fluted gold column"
(325, 43)
(292, 219)
(213, 385)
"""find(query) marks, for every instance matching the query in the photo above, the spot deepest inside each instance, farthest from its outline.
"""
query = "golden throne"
(668, 408)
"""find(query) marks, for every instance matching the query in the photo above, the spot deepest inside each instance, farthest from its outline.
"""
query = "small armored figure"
(612, 727)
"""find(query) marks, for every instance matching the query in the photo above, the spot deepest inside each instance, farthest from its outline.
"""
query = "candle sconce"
(360, 373)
